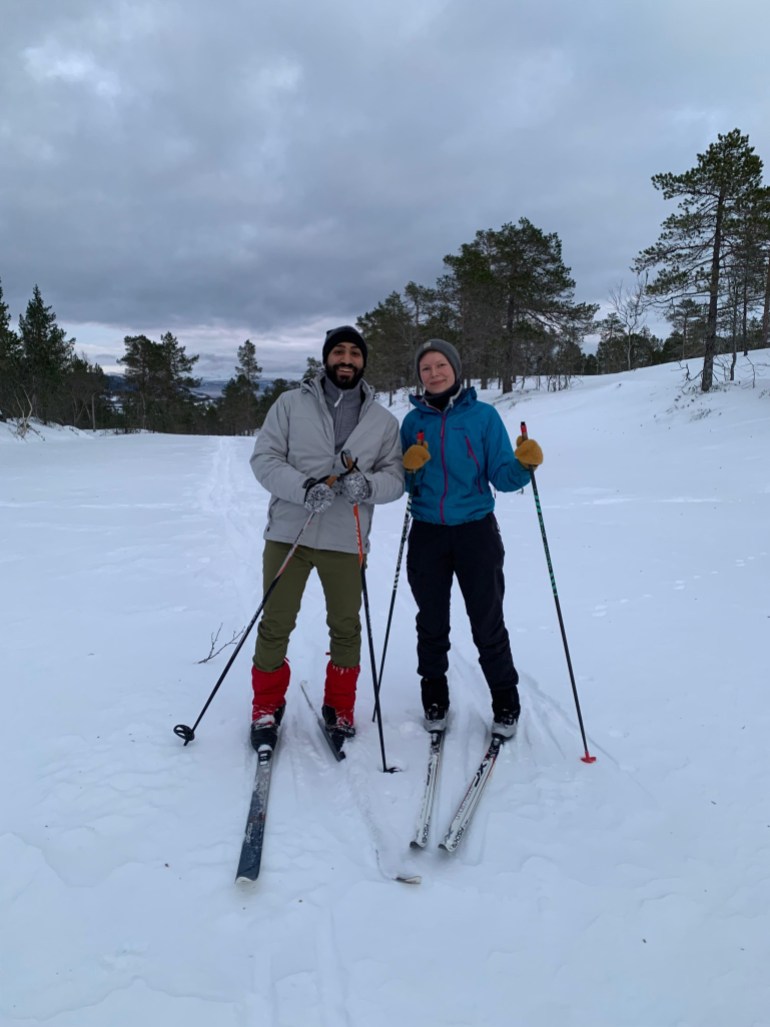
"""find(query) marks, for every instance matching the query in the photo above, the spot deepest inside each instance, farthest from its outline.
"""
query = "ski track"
(338, 837)
(231, 496)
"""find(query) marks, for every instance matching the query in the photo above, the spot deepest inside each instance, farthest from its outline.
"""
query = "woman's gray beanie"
(440, 346)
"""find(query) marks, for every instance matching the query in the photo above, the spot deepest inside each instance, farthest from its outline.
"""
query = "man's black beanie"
(345, 333)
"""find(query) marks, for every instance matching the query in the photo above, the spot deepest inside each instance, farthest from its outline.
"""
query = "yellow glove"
(528, 452)
(416, 456)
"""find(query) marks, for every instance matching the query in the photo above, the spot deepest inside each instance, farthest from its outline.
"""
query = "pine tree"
(88, 394)
(515, 300)
(159, 385)
(247, 365)
(239, 407)
(686, 320)
(472, 299)
(46, 356)
(749, 269)
(611, 351)
(314, 366)
(266, 400)
(10, 364)
(696, 241)
(391, 331)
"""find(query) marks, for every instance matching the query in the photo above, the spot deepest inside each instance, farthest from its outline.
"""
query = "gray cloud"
(239, 170)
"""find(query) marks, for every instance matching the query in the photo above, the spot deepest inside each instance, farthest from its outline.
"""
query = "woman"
(455, 447)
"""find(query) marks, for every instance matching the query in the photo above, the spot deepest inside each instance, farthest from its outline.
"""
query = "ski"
(335, 744)
(422, 833)
(251, 850)
(462, 818)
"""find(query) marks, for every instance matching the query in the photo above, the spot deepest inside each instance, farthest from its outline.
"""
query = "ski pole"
(407, 515)
(188, 733)
(352, 465)
(587, 758)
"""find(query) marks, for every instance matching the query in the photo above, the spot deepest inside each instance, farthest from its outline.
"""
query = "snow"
(632, 892)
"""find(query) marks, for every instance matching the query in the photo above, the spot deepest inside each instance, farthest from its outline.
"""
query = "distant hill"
(211, 387)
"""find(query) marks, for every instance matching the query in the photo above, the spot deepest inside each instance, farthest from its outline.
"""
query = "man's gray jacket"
(296, 443)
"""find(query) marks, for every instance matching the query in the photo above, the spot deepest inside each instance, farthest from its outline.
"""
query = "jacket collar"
(464, 398)
(313, 386)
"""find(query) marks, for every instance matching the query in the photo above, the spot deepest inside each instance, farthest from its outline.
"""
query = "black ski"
(464, 815)
(251, 850)
(334, 739)
(422, 832)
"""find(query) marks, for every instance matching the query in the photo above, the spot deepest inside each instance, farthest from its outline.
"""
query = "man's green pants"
(340, 576)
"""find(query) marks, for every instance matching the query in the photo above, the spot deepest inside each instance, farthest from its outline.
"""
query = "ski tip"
(409, 878)
(244, 880)
(415, 843)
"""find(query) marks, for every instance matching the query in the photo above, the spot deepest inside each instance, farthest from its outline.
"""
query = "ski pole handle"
(348, 462)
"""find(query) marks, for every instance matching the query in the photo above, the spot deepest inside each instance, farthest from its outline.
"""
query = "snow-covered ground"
(633, 892)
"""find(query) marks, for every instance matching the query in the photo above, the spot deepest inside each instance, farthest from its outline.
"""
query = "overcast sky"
(267, 170)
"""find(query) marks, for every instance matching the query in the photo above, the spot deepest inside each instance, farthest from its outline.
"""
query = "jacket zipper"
(472, 455)
(446, 473)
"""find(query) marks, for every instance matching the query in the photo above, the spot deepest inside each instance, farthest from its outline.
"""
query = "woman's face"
(436, 372)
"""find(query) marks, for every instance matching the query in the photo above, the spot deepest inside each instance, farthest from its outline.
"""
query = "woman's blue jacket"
(470, 449)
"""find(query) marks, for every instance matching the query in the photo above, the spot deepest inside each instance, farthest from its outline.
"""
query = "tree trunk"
(506, 374)
(711, 326)
(734, 347)
(766, 311)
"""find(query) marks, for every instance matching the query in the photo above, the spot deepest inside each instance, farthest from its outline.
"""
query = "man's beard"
(344, 383)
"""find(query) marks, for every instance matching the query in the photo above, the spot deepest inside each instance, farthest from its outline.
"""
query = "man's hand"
(354, 487)
(318, 496)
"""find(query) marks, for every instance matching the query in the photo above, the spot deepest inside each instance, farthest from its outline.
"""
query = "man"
(298, 458)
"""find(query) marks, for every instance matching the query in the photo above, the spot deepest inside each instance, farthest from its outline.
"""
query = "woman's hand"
(528, 452)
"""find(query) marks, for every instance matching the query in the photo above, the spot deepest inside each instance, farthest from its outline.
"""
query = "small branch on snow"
(214, 651)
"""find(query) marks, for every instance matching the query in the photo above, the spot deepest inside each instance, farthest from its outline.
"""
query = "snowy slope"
(633, 892)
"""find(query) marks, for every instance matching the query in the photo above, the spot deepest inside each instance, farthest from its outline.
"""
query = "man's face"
(345, 365)
(436, 372)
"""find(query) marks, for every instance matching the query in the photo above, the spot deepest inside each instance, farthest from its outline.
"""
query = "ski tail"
(422, 832)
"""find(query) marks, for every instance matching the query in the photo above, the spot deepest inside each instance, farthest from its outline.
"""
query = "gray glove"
(318, 497)
(354, 487)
